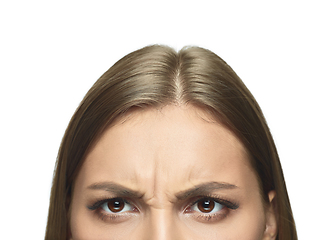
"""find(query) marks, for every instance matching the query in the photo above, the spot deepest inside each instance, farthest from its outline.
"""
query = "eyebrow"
(198, 190)
(115, 188)
(204, 189)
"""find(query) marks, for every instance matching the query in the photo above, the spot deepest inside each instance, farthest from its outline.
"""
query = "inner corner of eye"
(188, 209)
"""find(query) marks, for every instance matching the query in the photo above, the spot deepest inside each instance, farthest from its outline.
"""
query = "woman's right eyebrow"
(115, 188)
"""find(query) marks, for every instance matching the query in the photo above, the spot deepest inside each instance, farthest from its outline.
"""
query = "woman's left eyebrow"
(115, 188)
(204, 189)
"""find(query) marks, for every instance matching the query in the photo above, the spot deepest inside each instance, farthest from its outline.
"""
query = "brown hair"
(155, 76)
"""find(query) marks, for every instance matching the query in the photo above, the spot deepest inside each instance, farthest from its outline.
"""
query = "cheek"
(250, 222)
(254, 218)
(244, 227)
(83, 228)
(250, 227)
(80, 220)
(85, 225)
(78, 226)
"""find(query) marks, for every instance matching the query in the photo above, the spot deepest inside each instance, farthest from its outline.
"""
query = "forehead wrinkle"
(158, 191)
(151, 180)
(134, 118)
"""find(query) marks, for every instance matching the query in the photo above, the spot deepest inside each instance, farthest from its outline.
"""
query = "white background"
(51, 52)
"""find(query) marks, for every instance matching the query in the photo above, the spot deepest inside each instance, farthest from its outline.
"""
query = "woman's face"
(173, 173)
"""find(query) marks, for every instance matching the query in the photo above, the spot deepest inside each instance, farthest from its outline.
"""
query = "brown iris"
(206, 205)
(116, 205)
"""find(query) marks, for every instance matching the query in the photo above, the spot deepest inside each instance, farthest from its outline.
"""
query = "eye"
(207, 205)
(117, 205)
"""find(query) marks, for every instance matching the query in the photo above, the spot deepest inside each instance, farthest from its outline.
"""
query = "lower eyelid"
(211, 217)
(114, 218)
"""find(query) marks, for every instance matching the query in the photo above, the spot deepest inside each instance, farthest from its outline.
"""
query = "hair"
(157, 76)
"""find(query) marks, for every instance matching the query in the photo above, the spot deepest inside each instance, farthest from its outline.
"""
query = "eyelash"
(212, 217)
(203, 217)
(111, 217)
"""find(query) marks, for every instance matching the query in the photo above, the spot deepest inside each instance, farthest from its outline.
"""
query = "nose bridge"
(162, 225)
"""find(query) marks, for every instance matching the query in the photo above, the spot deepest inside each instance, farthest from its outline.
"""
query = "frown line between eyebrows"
(204, 189)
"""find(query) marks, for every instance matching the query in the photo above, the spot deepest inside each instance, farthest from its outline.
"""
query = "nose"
(162, 225)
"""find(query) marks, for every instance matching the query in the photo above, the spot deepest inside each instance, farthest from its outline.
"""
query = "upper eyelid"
(227, 203)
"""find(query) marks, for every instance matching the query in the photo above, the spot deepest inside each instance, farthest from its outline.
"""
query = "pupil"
(206, 205)
(116, 205)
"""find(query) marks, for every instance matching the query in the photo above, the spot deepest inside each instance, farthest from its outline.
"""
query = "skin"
(159, 154)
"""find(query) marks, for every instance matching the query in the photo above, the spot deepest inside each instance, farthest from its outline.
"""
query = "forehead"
(174, 146)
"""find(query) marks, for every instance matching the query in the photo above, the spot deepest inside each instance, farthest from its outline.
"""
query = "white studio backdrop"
(51, 52)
